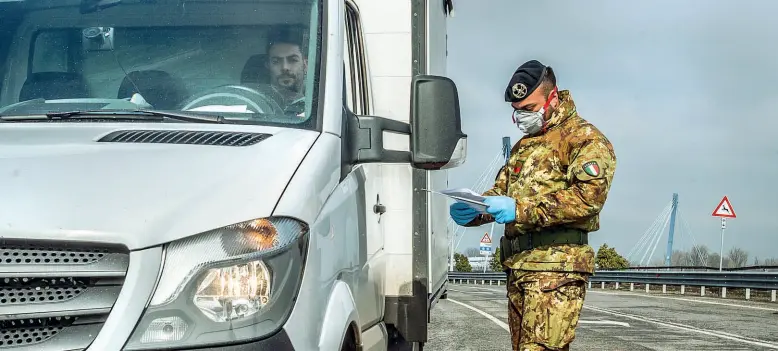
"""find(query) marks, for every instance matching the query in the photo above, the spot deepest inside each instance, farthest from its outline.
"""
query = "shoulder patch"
(591, 168)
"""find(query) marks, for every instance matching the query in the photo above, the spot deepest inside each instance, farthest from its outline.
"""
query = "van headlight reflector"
(238, 291)
(225, 285)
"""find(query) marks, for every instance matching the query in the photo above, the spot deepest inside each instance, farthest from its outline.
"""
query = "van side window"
(357, 87)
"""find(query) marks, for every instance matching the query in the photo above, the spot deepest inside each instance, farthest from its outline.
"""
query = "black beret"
(525, 80)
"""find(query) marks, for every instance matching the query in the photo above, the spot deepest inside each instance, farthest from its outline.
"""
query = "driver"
(287, 66)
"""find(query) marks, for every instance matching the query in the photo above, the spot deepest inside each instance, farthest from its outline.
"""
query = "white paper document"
(464, 195)
(222, 108)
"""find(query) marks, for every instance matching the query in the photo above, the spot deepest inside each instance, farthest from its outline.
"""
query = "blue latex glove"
(503, 208)
(462, 213)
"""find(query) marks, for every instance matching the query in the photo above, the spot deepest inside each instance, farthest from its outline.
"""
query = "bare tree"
(713, 260)
(680, 258)
(473, 252)
(737, 257)
(698, 256)
(770, 262)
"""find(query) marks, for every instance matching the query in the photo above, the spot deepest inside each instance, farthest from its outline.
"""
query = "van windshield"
(250, 61)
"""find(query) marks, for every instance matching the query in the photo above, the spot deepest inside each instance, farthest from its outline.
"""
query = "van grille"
(57, 295)
(185, 137)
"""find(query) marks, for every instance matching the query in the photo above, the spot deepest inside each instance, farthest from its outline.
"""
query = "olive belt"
(551, 236)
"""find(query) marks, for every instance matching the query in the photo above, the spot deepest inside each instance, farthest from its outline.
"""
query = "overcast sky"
(685, 90)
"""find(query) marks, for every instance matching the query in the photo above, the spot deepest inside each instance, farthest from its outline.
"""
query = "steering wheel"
(296, 107)
(231, 95)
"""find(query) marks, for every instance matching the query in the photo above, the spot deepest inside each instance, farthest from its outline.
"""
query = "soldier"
(549, 196)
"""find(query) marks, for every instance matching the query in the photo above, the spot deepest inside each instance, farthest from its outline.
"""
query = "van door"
(370, 293)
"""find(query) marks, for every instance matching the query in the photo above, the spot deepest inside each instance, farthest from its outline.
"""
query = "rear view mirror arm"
(369, 140)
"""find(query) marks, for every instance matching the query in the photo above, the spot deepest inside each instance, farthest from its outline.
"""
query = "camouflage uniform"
(560, 180)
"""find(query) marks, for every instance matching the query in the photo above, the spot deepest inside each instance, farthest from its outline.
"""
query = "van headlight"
(225, 286)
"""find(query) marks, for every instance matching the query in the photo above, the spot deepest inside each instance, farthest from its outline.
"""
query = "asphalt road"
(474, 317)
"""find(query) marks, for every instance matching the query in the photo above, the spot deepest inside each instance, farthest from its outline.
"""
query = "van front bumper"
(277, 342)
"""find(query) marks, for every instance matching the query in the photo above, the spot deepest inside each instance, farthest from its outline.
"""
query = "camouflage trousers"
(543, 308)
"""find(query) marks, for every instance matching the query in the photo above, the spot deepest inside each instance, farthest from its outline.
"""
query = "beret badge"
(519, 90)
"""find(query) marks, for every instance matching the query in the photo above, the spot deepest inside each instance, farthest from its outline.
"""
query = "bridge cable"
(481, 179)
(645, 235)
(654, 233)
(702, 259)
(661, 232)
(648, 233)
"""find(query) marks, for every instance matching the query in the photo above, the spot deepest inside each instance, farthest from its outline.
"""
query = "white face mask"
(529, 122)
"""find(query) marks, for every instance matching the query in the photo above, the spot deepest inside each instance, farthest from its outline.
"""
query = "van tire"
(349, 341)
(398, 343)
(406, 346)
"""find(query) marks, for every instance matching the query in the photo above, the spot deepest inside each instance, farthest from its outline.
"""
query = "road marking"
(472, 292)
(683, 299)
(485, 289)
(605, 322)
(505, 326)
(715, 333)
(488, 316)
(632, 294)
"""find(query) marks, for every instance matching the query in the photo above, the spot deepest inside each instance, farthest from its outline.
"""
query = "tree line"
(700, 255)
(462, 264)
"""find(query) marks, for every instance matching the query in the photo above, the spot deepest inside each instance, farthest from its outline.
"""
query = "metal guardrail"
(726, 279)
(701, 268)
(735, 280)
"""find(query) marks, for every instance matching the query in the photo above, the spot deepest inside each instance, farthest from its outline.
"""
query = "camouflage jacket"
(560, 179)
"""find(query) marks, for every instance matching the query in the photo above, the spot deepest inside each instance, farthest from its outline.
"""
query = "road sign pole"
(486, 248)
(721, 249)
(486, 260)
(724, 210)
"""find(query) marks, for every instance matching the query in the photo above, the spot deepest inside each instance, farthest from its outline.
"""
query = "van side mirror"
(436, 138)
(437, 141)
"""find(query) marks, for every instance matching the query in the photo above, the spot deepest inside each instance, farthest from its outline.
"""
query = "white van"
(223, 174)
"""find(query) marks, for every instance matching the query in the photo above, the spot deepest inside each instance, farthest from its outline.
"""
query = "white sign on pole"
(724, 210)
(486, 245)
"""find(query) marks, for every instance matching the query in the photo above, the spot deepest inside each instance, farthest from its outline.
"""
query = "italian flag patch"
(591, 168)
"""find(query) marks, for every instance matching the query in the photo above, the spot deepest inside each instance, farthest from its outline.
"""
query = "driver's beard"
(289, 91)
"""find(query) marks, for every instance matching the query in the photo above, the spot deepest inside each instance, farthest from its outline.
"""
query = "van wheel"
(349, 342)
(406, 346)
(398, 343)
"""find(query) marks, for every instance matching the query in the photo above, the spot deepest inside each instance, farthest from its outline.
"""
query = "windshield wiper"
(186, 117)
(145, 115)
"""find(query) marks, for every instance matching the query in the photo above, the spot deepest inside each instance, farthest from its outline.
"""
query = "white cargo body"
(403, 39)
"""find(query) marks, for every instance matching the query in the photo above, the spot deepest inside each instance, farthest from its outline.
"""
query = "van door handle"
(378, 207)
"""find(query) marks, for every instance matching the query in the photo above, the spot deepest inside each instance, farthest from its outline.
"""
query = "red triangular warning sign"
(724, 209)
(486, 239)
